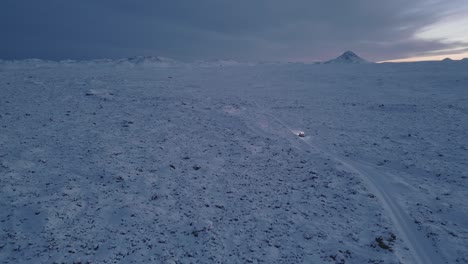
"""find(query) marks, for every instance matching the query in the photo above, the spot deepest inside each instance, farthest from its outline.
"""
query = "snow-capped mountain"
(348, 57)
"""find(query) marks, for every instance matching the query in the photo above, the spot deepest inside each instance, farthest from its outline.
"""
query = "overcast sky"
(294, 30)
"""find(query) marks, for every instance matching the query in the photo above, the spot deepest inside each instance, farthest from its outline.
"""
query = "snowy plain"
(155, 161)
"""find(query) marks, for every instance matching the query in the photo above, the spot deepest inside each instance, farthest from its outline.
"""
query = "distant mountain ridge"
(348, 57)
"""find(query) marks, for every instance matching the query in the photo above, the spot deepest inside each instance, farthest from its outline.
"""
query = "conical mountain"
(348, 57)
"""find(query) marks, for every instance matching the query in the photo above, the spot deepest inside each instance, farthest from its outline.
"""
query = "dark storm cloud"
(204, 29)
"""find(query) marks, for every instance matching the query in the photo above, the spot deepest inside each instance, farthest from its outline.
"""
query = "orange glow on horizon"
(457, 56)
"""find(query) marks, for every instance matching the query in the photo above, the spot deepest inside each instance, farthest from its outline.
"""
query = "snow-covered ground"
(154, 161)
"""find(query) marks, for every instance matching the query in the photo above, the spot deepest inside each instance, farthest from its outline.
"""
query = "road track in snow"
(421, 249)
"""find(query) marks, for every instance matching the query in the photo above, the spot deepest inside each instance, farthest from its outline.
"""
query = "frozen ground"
(153, 161)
